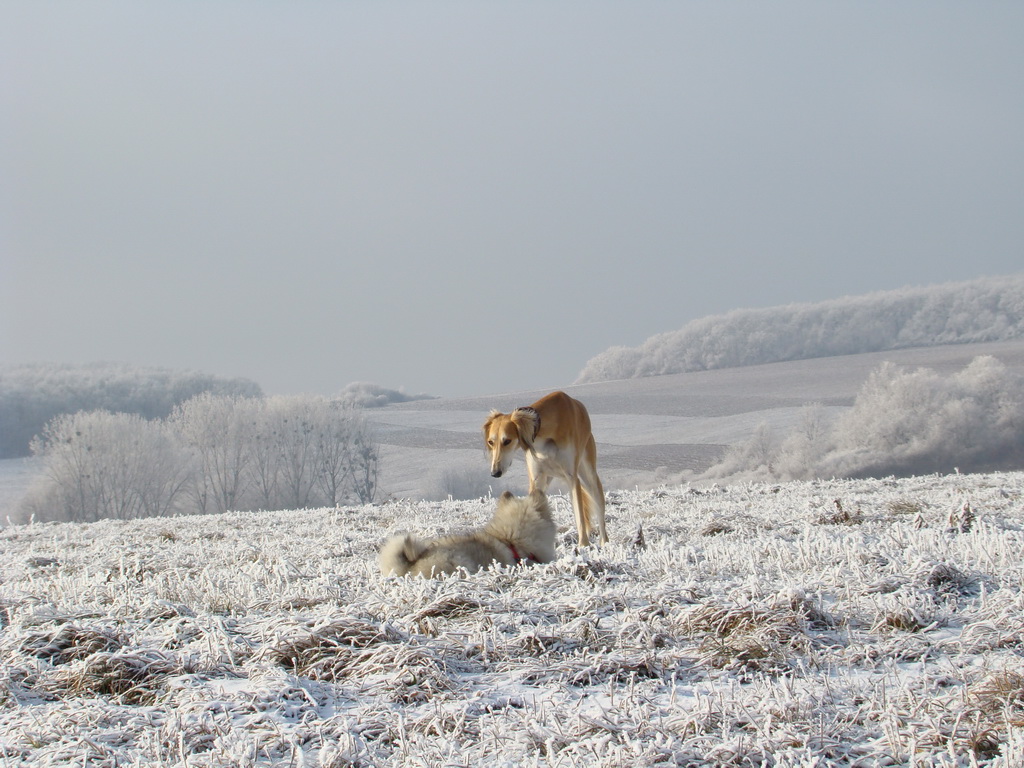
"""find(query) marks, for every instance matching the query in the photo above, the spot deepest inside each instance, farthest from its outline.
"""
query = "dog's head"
(505, 433)
(535, 501)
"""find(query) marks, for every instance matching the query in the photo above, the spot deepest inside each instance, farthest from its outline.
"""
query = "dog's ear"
(490, 420)
(539, 500)
(525, 420)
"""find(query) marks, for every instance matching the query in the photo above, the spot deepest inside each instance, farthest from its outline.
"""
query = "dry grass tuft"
(1000, 693)
(430, 619)
(597, 570)
(747, 638)
(946, 578)
(405, 673)
(715, 528)
(840, 516)
(128, 678)
(904, 507)
(901, 619)
(71, 642)
(447, 607)
(326, 651)
(962, 520)
(797, 601)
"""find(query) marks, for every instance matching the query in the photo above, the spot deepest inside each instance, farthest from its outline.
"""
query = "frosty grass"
(843, 623)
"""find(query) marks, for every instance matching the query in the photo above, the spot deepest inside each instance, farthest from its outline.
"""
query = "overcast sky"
(467, 198)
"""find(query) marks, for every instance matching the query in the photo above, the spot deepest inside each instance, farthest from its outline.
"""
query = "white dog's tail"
(399, 553)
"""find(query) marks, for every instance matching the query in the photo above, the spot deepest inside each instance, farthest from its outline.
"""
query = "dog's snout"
(495, 473)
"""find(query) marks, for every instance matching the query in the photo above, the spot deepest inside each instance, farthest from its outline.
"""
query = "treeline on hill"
(988, 309)
(212, 453)
(32, 395)
(903, 422)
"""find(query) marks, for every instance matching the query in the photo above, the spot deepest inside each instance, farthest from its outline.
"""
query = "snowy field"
(857, 623)
(840, 623)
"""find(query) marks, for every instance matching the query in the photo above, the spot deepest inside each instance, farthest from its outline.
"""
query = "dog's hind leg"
(593, 489)
(594, 494)
(581, 508)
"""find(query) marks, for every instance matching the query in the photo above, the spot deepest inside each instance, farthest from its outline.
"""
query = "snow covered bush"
(362, 394)
(751, 458)
(212, 454)
(107, 465)
(806, 443)
(917, 421)
(463, 481)
(902, 422)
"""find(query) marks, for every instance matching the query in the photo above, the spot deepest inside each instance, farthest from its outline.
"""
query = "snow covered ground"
(831, 623)
(843, 623)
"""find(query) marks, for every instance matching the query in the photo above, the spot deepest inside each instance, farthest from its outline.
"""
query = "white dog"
(521, 530)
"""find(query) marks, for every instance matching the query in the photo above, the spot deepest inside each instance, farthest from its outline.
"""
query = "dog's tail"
(399, 553)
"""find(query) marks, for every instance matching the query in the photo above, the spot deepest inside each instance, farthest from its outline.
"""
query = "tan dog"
(520, 530)
(555, 433)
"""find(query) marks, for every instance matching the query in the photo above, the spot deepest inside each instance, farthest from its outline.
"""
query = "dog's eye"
(490, 443)
(506, 441)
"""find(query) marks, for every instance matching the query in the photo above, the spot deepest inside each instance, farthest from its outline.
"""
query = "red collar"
(517, 558)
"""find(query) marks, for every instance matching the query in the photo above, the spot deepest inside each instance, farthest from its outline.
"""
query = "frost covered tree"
(211, 455)
(296, 423)
(264, 462)
(909, 421)
(364, 463)
(99, 464)
(346, 454)
(902, 422)
(218, 432)
(806, 444)
(309, 451)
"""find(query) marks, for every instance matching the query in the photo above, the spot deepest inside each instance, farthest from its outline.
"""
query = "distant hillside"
(987, 309)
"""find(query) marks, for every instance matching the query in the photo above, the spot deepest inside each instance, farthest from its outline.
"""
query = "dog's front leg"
(539, 479)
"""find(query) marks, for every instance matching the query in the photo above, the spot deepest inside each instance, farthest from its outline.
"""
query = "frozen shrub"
(463, 482)
(920, 421)
(902, 422)
(218, 432)
(806, 444)
(361, 394)
(212, 455)
(106, 465)
(754, 457)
